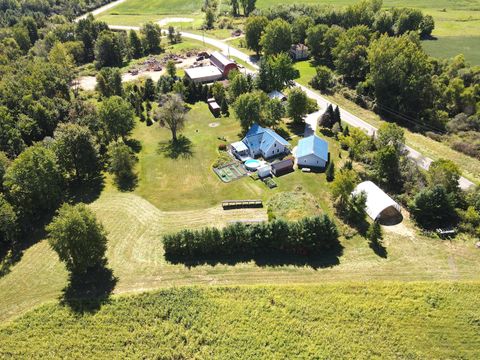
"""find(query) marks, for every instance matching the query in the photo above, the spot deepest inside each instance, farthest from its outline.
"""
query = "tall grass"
(338, 321)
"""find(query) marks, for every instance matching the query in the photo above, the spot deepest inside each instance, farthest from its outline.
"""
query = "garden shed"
(282, 167)
(380, 207)
(264, 171)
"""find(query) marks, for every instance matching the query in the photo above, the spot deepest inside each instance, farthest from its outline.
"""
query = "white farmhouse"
(265, 142)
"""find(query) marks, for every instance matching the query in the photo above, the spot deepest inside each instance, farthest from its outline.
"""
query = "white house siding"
(311, 161)
(275, 149)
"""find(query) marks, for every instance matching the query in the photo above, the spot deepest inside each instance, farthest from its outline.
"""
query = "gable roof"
(275, 94)
(312, 145)
(263, 137)
(377, 199)
(220, 60)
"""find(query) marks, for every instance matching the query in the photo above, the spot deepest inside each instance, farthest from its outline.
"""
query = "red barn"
(224, 64)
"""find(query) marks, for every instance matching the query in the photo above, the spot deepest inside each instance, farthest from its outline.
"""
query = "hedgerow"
(309, 236)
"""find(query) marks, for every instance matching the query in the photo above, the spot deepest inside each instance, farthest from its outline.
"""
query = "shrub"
(223, 159)
(222, 147)
(309, 236)
(432, 207)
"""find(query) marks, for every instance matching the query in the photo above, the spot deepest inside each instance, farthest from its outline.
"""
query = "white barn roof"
(204, 73)
(377, 199)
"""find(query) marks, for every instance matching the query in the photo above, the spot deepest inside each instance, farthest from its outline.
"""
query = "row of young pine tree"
(308, 236)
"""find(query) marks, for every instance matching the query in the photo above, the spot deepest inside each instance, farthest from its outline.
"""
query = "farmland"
(457, 24)
(335, 321)
(175, 194)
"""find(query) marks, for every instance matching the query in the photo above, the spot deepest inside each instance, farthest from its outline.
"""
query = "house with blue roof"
(262, 142)
(312, 151)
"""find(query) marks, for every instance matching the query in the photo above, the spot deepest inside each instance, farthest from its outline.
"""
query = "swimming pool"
(252, 164)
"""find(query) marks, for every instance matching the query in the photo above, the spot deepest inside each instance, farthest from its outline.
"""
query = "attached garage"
(380, 207)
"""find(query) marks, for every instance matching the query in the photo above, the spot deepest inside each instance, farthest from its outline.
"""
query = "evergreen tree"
(374, 233)
(149, 90)
(336, 116)
(136, 47)
(224, 107)
(330, 171)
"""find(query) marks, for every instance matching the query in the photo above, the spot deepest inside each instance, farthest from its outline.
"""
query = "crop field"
(185, 192)
(334, 321)
(450, 46)
(457, 23)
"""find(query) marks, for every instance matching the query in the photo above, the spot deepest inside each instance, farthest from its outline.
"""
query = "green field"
(450, 46)
(337, 321)
(175, 194)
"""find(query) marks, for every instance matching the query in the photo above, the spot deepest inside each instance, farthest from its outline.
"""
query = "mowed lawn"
(188, 182)
(333, 321)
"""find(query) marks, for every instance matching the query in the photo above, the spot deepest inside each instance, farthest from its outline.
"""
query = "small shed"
(282, 167)
(264, 171)
(275, 94)
(380, 207)
(214, 108)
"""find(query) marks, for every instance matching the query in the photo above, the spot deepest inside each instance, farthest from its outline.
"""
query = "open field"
(469, 166)
(334, 321)
(449, 46)
(175, 194)
(457, 23)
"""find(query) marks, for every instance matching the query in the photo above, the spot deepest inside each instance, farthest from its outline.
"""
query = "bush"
(324, 79)
(222, 147)
(223, 159)
(433, 208)
(309, 236)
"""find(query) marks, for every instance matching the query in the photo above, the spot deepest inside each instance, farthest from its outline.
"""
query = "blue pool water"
(252, 164)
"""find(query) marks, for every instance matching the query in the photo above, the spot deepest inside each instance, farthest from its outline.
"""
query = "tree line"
(12, 11)
(309, 236)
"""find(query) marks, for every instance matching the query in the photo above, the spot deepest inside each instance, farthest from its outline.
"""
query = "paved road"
(101, 9)
(311, 119)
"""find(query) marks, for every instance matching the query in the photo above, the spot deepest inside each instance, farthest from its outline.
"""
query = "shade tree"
(116, 114)
(78, 238)
(171, 114)
(34, 183)
(277, 37)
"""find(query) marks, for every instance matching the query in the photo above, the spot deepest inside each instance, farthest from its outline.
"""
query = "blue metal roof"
(313, 145)
(264, 138)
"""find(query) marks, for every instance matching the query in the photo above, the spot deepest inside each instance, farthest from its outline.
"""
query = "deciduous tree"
(117, 116)
(277, 37)
(78, 238)
(254, 28)
(172, 114)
